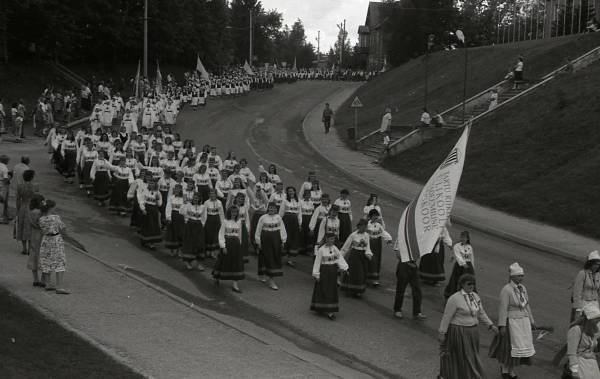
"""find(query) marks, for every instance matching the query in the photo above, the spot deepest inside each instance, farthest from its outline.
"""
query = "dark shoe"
(331, 316)
(39, 284)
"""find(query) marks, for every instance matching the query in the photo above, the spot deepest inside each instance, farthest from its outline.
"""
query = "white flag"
(137, 83)
(424, 218)
(201, 70)
(158, 79)
(248, 69)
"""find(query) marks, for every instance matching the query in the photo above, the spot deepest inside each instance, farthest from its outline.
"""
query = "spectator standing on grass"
(518, 70)
(386, 121)
(52, 248)
(327, 115)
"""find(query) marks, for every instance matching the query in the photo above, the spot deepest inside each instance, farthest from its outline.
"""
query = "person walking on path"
(386, 121)
(431, 268)
(52, 248)
(407, 273)
(25, 192)
(327, 116)
(230, 261)
(464, 263)
(514, 345)
(582, 344)
(459, 333)
(518, 70)
(5, 177)
(328, 261)
(270, 236)
(357, 252)
(33, 263)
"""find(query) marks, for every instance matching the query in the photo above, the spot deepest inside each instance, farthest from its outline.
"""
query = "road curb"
(459, 219)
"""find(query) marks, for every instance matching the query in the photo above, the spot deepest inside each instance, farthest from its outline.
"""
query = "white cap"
(515, 269)
(591, 311)
(594, 256)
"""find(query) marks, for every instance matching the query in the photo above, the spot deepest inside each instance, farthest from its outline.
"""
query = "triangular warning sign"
(356, 103)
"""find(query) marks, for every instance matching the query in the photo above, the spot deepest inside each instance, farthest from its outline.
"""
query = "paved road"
(266, 128)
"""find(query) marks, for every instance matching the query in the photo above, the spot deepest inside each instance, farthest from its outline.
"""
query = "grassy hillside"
(403, 88)
(537, 158)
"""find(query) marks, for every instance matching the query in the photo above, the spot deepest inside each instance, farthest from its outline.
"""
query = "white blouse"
(230, 228)
(328, 255)
(270, 223)
(357, 241)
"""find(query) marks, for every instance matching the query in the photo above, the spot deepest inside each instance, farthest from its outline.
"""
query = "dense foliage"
(111, 31)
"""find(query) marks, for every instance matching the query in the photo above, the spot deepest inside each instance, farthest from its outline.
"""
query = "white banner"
(201, 70)
(423, 220)
(248, 69)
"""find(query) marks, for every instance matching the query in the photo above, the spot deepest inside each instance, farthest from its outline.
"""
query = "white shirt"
(271, 223)
(386, 122)
(328, 255)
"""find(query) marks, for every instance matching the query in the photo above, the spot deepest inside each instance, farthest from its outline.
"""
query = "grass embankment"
(403, 88)
(537, 158)
(32, 346)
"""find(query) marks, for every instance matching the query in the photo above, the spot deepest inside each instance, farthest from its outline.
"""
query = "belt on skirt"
(52, 234)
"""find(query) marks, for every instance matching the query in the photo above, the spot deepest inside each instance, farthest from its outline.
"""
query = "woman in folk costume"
(316, 194)
(586, 286)
(203, 182)
(104, 144)
(373, 203)
(132, 163)
(132, 195)
(86, 159)
(308, 184)
(514, 345)
(148, 116)
(328, 261)
(213, 171)
(357, 252)
(189, 192)
(306, 210)
(243, 204)
(431, 267)
(149, 200)
(377, 235)
(270, 237)
(464, 263)
(139, 149)
(345, 214)
(100, 175)
(247, 174)
(459, 333)
(175, 220)
(230, 262)
(177, 144)
(164, 187)
(116, 152)
(229, 162)
(193, 239)
(68, 150)
(258, 204)
(292, 219)
(319, 214)
(329, 224)
(195, 98)
(214, 218)
(123, 179)
(582, 343)
(272, 174)
(264, 184)
(223, 186)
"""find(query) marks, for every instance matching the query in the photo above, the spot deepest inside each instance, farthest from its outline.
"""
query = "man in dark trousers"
(407, 272)
(327, 115)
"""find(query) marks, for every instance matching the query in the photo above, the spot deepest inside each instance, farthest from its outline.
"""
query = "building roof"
(363, 29)
(376, 13)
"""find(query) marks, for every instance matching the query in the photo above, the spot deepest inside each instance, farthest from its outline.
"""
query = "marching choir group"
(204, 206)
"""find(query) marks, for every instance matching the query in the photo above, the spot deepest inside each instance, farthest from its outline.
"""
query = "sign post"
(356, 104)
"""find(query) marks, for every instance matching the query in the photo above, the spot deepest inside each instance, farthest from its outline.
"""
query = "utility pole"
(250, 38)
(318, 46)
(146, 38)
(342, 40)
(3, 32)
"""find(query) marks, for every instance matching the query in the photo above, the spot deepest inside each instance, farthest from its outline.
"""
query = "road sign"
(356, 103)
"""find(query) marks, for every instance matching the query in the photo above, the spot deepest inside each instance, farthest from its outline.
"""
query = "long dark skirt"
(69, 164)
(163, 207)
(150, 228)
(118, 197)
(501, 347)
(345, 226)
(316, 233)
(269, 258)
(374, 264)
(193, 240)
(85, 179)
(102, 186)
(253, 223)
(355, 281)
(245, 247)
(457, 272)
(306, 240)
(204, 191)
(431, 268)
(460, 354)
(175, 231)
(211, 232)
(325, 294)
(290, 220)
(230, 266)
(136, 214)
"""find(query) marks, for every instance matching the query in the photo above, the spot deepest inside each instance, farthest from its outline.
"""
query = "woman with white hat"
(513, 346)
(587, 285)
(582, 343)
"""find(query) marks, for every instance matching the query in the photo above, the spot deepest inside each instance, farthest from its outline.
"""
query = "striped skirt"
(175, 231)
(102, 186)
(269, 258)
(345, 226)
(325, 294)
(374, 264)
(459, 358)
(306, 240)
(292, 227)
(118, 197)
(431, 268)
(230, 266)
(211, 232)
(193, 240)
(355, 281)
(150, 225)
